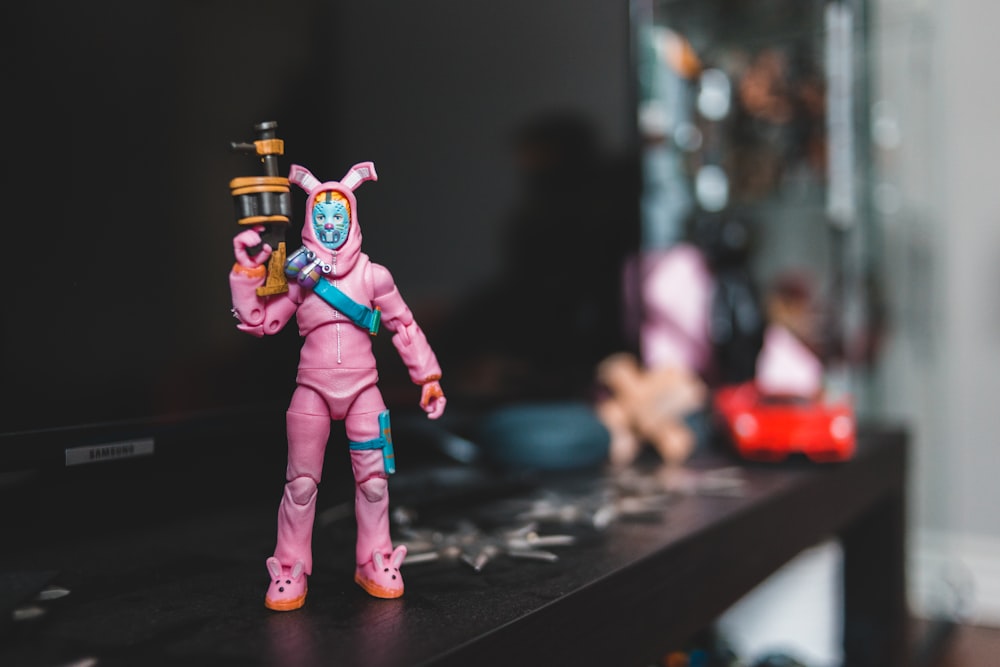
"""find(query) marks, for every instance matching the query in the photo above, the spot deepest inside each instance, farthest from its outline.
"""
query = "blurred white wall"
(935, 122)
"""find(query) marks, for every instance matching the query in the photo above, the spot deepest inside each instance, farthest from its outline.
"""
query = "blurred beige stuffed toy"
(648, 406)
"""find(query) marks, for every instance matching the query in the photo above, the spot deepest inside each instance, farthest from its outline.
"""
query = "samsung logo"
(111, 451)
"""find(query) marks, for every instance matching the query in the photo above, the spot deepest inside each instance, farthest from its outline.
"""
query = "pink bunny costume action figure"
(338, 297)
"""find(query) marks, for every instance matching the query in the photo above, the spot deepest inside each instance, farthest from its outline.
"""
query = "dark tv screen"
(503, 136)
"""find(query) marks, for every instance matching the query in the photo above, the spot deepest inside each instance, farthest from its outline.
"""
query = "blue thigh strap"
(383, 442)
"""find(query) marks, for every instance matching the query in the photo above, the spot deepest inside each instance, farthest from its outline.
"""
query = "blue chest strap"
(361, 315)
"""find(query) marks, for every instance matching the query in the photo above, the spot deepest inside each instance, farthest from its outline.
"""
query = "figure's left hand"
(432, 399)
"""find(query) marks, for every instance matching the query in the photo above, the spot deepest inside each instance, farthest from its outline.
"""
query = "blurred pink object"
(676, 287)
(786, 366)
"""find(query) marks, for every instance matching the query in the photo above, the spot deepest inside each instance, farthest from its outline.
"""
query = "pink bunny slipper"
(287, 590)
(379, 578)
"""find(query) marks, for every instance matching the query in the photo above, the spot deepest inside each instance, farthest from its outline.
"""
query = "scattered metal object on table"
(475, 547)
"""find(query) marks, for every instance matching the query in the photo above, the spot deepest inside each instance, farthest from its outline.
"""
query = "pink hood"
(344, 258)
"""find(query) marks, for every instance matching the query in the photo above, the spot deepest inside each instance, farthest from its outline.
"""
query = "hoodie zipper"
(336, 314)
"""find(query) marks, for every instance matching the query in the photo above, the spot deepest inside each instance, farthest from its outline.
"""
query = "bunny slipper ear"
(297, 569)
(377, 559)
(398, 555)
(274, 567)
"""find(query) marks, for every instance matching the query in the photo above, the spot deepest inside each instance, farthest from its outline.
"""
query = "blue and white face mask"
(331, 222)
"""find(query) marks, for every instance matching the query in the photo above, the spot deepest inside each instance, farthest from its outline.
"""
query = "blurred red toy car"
(770, 428)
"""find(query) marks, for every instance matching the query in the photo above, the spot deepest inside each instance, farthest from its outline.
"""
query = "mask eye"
(320, 217)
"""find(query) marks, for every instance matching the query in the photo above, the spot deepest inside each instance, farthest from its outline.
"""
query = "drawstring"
(333, 271)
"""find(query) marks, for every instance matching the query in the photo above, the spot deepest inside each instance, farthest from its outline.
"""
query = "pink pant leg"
(371, 504)
(308, 425)
(371, 492)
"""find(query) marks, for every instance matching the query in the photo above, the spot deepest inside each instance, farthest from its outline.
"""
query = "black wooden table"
(188, 590)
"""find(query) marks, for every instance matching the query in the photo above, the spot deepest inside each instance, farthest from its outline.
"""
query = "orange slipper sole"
(375, 590)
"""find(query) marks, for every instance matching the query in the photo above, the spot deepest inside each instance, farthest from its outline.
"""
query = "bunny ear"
(297, 569)
(358, 174)
(303, 178)
(377, 557)
(274, 567)
(398, 555)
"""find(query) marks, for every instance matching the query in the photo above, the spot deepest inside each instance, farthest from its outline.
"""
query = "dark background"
(503, 138)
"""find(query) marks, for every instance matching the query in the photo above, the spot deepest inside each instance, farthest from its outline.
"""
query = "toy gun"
(265, 200)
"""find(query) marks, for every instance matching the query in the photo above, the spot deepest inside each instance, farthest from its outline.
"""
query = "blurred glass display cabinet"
(756, 113)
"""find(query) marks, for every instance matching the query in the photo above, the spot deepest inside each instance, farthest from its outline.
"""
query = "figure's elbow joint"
(257, 331)
(405, 332)
(258, 322)
(250, 317)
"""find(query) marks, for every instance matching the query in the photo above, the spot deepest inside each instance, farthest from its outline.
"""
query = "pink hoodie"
(331, 339)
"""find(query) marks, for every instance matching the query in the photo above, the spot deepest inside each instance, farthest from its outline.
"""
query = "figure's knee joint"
(374, 488)
(301, 490)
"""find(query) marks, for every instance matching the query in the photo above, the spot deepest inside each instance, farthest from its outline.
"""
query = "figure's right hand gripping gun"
(265, 200)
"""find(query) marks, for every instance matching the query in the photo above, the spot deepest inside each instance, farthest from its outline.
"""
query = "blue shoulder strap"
(361, 315)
